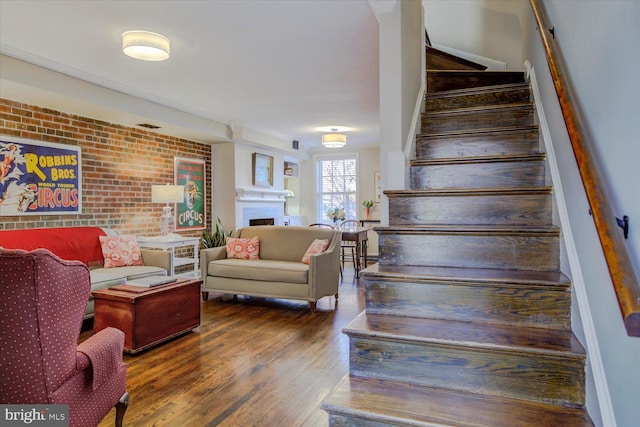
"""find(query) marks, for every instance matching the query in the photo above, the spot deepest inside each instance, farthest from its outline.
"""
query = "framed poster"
(377, 184)
(262, 168)
(190, 214)
(39, 178)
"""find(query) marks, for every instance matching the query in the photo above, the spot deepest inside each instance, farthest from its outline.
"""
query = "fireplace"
(271, 213)
(262, 221)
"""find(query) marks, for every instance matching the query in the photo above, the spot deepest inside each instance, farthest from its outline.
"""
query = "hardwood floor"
(253, 362)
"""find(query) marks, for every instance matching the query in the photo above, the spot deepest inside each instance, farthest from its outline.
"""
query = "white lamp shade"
(167, 193)
(334, 140)
(145, 45)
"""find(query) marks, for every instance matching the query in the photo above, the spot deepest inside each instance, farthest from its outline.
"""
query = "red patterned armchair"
(42, 302)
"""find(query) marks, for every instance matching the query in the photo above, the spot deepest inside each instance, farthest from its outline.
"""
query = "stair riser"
(483, 145)
(506, 251)
(529, 376)
(478, 175)
(491, 209)
(478, 99)
(540, 307)
(437, 82)
(435, 123)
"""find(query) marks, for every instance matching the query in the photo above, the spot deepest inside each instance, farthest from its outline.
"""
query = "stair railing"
(625, 282)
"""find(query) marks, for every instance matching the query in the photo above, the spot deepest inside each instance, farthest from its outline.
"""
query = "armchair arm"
(103, 351)
(157, 258)
(208, 255)
(324, 270)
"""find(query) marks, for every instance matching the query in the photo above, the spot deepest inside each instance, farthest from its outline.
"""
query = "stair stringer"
(596, 379)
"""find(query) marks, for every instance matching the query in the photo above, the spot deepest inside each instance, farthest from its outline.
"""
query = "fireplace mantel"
(245, 194)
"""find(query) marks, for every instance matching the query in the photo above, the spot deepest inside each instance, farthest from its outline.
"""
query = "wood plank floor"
(254, 362)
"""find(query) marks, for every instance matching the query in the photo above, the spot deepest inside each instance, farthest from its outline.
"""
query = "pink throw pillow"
(120, 251)
(243, 248)
(317, 247)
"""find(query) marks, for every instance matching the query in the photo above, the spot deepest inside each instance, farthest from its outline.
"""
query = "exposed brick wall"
(119, 164)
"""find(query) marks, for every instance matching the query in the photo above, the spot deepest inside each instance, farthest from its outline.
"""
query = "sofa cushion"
(243, 248)
(101, 279)
(260, 270)
(130, 272)
(317, 247)
(120, 251)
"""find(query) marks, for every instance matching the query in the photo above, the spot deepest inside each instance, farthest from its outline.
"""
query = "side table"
(148, 316)
(170, 243)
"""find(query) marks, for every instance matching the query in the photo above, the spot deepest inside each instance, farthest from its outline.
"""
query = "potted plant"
(217, 238)
(368, 204)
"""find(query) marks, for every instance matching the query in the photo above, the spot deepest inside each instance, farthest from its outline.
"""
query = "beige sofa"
(279, 273)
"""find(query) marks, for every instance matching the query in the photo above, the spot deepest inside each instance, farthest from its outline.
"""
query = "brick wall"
(119, 164)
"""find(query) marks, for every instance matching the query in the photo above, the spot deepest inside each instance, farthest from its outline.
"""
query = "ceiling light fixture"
(145, 45)
(334, 140)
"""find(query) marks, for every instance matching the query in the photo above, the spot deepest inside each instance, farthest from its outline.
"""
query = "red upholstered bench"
(83, 244)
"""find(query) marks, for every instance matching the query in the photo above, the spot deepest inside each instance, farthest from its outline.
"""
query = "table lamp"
(167, 194)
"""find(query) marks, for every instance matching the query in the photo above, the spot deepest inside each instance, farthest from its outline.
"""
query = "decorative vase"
(367, 212)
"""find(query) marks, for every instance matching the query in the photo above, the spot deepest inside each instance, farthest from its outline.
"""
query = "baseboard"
(591, 344)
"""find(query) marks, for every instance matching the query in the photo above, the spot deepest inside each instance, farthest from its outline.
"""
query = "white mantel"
(256, 194)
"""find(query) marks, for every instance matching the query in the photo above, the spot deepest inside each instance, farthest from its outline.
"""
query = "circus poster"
(39, 178)
(190, 215)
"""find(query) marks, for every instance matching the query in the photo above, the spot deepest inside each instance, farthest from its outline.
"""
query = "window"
(336, 187)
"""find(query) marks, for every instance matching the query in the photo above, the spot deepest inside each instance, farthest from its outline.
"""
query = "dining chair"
(317, 224)
(349, 245)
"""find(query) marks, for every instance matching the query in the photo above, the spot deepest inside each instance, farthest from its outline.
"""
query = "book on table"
(151, 281)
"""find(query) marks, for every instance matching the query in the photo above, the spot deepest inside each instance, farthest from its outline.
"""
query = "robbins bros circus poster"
(191, 213)
(39, 178)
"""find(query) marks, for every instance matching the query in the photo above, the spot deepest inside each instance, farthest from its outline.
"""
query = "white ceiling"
(278, 68)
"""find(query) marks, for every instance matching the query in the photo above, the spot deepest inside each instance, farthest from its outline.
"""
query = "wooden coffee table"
(148, 316)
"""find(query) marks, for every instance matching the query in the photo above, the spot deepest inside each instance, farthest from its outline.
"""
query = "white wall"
(488, 28)
(598, 41)
(223, 185)
(401, 74)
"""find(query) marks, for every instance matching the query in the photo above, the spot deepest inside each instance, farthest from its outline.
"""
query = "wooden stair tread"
(510, 191)
(480, 229)
(514, 339)
(466, 275)
(479, 132)
(500, 108)
(480, 159)
(396, 403)
(477, 90)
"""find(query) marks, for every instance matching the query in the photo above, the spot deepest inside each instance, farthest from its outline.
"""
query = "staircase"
(468, 318)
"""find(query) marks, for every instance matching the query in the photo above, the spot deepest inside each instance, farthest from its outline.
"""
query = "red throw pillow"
(120, 251)
(243, 248)
(317, 247)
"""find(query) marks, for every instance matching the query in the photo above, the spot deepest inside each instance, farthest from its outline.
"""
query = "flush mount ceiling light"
(334, 140)
(145, 45)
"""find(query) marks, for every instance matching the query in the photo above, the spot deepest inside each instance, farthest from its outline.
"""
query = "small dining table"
(359, 236)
